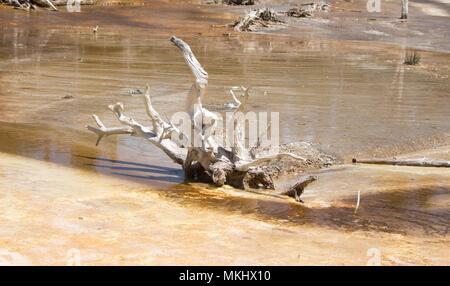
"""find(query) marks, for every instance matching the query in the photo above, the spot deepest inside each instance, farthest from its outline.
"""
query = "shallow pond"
(351, 98)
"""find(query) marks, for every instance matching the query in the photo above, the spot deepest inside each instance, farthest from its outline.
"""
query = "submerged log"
(424, 162)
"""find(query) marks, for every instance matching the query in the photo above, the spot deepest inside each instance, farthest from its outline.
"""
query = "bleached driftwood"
(424, 162)
(209, 161)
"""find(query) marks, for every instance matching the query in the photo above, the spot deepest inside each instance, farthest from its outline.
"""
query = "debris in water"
(236, 102)
(313, 158)
(255, 20)
(239, 167)
(412, 58)
(135, 91)
(239, 2)
(231, 2)
(298, 13)
(308, 9)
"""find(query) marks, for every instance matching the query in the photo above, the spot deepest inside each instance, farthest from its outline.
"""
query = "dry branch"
(210, 161)
(424, 162)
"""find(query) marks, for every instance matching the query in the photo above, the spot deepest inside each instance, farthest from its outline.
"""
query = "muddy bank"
(109, 221)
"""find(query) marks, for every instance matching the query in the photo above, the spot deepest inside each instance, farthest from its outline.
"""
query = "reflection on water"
(349, 98)
(399, 211)
(76, 149)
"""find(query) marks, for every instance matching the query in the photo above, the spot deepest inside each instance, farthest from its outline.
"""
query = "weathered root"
(258, 19)
(298, 13)
(221, 172)
(297, 189)
(307, 9)
(206, 161)
(258, 178)
(269, 19)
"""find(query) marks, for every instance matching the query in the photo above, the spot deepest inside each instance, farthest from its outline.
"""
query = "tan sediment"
(112, 221)
(121, 203)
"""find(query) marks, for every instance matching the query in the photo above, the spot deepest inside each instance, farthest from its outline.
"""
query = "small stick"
(357, 202)
(424, 162)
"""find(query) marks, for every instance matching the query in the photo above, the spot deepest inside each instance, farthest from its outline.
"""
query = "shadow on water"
(171, 175)
(147, 167)
(399, 211)
(64, 146)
